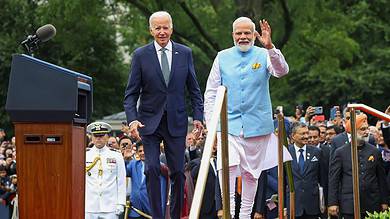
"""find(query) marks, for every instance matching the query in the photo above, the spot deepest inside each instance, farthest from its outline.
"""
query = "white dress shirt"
(168, 52)
(297, 153)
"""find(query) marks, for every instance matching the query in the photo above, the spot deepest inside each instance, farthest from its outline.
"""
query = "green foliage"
(338, 51)
(12, 33)
(380, 215)
(85, 42)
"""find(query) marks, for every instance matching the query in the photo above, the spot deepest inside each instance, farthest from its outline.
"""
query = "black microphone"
(43, 34)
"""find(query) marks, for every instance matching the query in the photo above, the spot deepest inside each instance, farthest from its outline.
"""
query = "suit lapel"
(175, 56)
(309, 155)
(153, 55)
(294, 157)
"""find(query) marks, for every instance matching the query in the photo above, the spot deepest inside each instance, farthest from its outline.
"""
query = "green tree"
(337, 51)
(13, 30)
(86, 42)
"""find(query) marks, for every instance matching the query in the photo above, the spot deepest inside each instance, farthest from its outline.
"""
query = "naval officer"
(105, 177)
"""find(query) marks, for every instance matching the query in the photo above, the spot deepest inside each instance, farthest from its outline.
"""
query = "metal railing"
(282, 142)
(354, 150)
(220, 109)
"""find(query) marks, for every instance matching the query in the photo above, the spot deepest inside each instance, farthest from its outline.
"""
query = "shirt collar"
(158, 47)
(297, 148)
(101, 149)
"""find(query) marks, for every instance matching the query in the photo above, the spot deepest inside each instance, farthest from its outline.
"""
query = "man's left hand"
(198, 128)
(265, 37)
(384, 207)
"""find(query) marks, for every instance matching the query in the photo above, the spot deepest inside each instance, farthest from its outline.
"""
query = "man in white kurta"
(105, 195)
(245, 70)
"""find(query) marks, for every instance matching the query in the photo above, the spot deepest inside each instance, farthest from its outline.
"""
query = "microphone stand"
(30, 44)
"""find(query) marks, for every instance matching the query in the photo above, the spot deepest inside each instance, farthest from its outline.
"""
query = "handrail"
(220, 107)
(355, 166)
(282, 142)
(280, 167)
(370, 111)
(354, 151)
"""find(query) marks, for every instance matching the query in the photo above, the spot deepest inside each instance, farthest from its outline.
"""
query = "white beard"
(244, 48)
(361, 140)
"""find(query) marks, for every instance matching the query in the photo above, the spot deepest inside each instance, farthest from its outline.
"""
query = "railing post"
(219, 110)
(355, 166)
(225, 159)
(280, 167)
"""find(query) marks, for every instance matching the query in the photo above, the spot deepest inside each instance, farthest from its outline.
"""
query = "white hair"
(159, 14)
(243, 20)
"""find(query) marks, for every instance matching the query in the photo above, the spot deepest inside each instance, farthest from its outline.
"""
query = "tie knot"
(163, 49)
(301, 150)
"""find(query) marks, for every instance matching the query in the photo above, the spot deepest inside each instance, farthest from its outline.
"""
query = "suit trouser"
(174, 148)
(105, 215)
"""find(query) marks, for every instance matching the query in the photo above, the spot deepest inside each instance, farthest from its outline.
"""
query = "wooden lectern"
(49, 107)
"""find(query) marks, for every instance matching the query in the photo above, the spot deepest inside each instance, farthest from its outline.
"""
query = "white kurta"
(256, 153)
(252, 154)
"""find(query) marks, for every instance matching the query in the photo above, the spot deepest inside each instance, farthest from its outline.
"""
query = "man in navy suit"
(308, 173)
(159, 73)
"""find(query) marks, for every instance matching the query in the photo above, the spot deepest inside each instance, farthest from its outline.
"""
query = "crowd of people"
(321, 167)
(8, 177)
(162, 72)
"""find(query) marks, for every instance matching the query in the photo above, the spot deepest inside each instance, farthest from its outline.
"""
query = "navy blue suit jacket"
(306, 184)
(146, 82)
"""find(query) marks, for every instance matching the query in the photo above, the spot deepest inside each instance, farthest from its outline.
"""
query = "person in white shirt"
(245, 70)
(105, 177)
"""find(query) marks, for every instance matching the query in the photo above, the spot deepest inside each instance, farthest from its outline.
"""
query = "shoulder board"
(112, 149)
(87, 149)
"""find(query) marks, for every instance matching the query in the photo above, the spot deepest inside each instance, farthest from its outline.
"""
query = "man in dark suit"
(307, 173)
(314, 140)
(345, 137)
(372, 180)
(159, 73)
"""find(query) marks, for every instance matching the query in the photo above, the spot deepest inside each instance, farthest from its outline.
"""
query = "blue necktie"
(165, 65)
(301, 162)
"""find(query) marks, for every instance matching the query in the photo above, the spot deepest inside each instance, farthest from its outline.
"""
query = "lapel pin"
(256, 66)
(176, 53)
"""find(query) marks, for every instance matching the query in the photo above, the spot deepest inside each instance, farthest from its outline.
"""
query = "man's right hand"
(333, 210)
(220, 213)
(134, 125)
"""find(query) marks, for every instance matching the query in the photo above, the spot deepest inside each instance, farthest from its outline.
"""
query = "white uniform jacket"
(105, 181)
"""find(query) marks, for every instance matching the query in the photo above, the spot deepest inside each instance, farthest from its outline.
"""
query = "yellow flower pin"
(371, 158)
(256, 66)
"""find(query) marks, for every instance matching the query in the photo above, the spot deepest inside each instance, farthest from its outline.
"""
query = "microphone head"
(46, 32)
